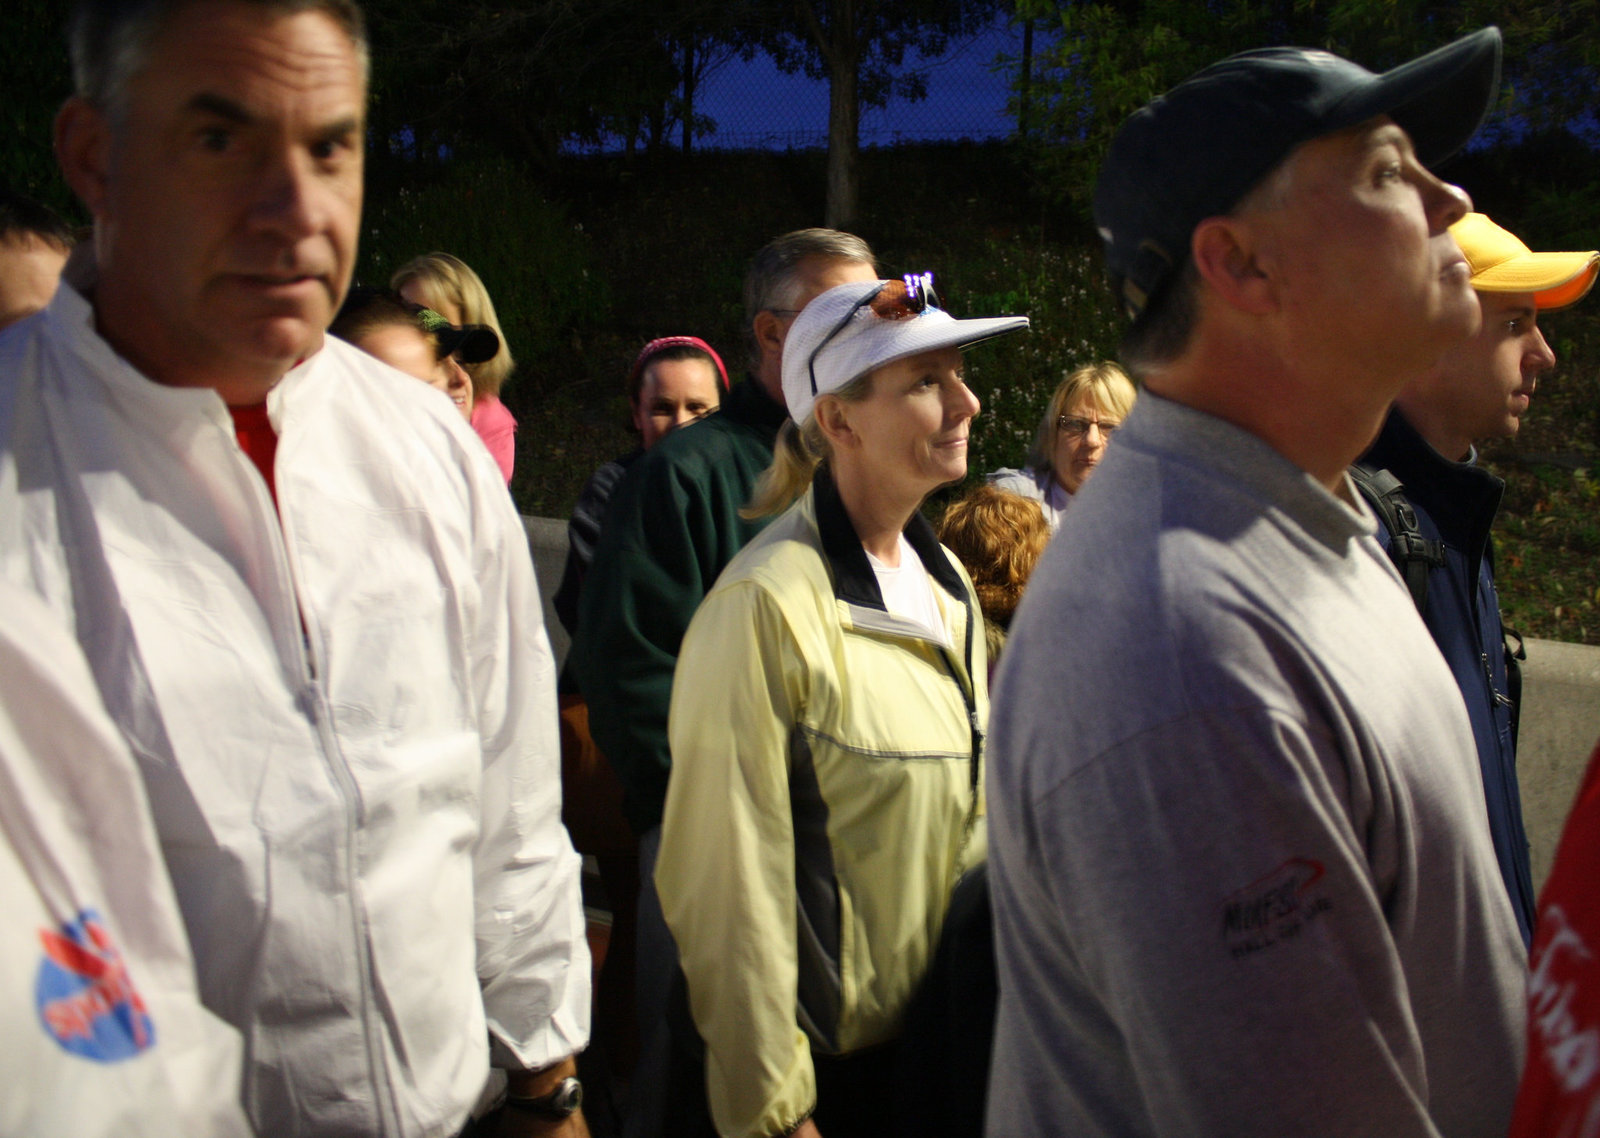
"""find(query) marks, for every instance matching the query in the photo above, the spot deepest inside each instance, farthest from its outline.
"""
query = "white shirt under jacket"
(346, 722)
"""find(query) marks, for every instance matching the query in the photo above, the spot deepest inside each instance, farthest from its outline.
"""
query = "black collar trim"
(854, 582)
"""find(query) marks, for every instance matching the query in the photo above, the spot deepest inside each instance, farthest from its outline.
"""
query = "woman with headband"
(674, 381)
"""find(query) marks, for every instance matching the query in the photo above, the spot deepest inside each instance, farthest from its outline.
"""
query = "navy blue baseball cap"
(1196, 151)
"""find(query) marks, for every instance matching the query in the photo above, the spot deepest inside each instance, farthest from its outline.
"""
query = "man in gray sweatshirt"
(1243, 881)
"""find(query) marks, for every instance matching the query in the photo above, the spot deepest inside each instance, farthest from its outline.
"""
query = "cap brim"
(871, 343)
(931, 336)
(1441, 98)
(470, 343)
(1557, 279)
(1550, 299)
(977, 329)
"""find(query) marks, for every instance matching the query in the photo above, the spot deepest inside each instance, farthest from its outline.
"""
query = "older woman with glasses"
(827, 727)
(1086, 409)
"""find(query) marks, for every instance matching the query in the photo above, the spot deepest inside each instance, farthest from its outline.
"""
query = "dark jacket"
(583, 535)
(672, 525)
(1455, 503)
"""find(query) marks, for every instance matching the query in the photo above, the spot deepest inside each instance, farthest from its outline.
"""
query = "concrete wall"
(1560, 724)
(548, 540)
(1560, 707)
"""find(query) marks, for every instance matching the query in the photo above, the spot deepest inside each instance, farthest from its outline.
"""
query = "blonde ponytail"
(799, 451)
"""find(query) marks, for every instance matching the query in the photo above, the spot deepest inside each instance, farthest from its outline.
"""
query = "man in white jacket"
(104, 1030)
(303, 592)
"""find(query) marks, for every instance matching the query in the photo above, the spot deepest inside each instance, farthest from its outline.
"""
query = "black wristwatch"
(563, 1102)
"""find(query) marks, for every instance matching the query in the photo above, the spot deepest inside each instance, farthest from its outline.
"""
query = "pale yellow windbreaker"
(825, 798)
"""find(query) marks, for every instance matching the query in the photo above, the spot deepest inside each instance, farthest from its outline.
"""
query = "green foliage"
(1563, 216)
(521, 80)
(1547, 542)
(536, 262)
(37, 79)
(874, 35)
(1111, 57)
(1074, 322)
(1552, 56)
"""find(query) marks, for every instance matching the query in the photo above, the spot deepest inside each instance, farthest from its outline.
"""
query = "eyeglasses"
(911, 295)
(1075, 428)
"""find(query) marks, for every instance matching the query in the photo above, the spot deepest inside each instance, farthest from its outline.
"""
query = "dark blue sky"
(756, 106)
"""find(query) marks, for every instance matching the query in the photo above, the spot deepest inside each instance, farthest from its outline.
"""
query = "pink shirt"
(497, 427)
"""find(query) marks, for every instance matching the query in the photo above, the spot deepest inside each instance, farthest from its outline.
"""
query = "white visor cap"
(867, 341)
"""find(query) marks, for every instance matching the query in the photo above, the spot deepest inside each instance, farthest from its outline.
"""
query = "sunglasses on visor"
(910, 295)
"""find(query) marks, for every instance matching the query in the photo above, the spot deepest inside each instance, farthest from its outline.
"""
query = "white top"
(104, 1032)
(344, 710)
(908, 592)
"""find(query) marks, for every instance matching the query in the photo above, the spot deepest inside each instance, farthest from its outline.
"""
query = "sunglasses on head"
(910, 295)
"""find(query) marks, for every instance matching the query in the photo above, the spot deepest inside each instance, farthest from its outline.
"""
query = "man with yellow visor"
(1479, 389)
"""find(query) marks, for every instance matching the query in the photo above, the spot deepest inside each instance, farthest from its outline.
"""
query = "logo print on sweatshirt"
(1274, 908)
(86, 999)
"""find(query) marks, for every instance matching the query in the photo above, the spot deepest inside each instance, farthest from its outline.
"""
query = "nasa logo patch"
(86, 999)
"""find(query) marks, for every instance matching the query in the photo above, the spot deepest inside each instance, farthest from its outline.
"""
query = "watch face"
(561, 1102)
(567, 1097)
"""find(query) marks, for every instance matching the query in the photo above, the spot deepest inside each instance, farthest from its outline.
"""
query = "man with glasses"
(669, 531)
(1242, 876)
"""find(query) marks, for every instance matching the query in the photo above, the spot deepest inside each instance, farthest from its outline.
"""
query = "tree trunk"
(657, 121)
(844, 116)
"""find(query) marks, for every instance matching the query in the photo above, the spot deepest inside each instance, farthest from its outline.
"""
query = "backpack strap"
(1515, 655)
(1414, 555)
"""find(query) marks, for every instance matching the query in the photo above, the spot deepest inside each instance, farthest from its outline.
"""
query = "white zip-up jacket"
(343, 709)
(104, 1033)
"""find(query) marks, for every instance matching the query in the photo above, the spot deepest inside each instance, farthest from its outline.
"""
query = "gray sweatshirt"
(1242, 874)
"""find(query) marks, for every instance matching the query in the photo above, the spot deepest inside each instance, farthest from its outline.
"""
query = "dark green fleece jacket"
(671, 528)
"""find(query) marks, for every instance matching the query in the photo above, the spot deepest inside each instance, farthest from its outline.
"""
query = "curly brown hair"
(999, 536)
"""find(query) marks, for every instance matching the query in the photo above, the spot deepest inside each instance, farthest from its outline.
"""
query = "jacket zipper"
(314, 705)
(970, 698)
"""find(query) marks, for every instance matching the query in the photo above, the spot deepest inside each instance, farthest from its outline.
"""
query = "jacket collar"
(854, 582)
(749, 405)
(1460, 497)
